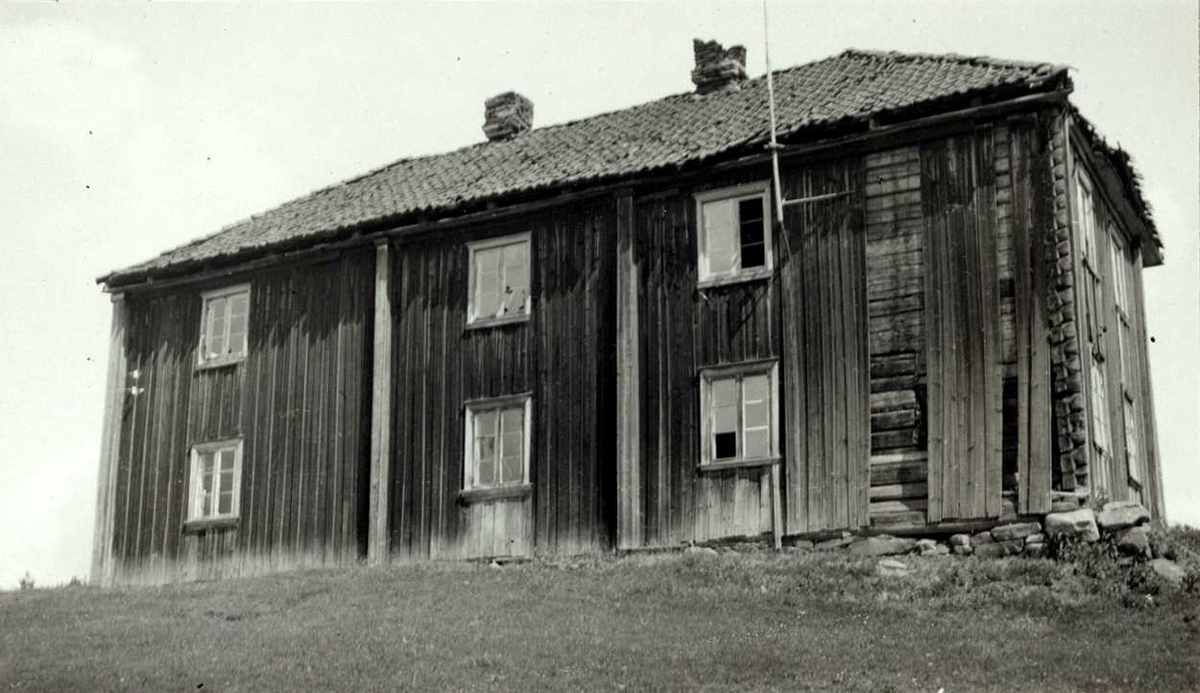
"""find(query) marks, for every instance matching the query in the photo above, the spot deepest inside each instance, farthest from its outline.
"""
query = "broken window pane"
(516, 278)
(725, 446)
(750, 224)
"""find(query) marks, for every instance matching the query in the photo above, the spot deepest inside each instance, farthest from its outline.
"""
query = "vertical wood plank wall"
(299, 401)
(564, 356)
(826, 374)
(908, 317)
(1027, 406)
(963, 310)
(683, 330)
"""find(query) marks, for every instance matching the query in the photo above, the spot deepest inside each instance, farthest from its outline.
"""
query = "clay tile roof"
(667, 134)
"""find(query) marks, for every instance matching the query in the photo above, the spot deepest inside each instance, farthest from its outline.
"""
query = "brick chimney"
(506, 115)
(717, 68)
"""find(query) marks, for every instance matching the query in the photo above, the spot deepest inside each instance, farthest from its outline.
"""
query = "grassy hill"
(735, 621)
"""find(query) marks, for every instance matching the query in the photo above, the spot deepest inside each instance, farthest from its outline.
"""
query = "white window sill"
(752, 275)
(220, 363)
(510, 491)
(748, 463)
(204, 524)
(484, 323)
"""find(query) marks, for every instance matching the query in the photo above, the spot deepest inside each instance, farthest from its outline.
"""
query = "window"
(1133, 455)
(734, 236)
(739, 410)
(499, 281)
(215, 482)
(1085, 213)
(497, 443)
(223, 326)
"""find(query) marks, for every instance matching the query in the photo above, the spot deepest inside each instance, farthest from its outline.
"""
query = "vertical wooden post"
(110, 447)
(629, 482)
(381, 409)
(776, 509)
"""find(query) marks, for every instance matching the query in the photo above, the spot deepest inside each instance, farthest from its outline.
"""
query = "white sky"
(127, 129)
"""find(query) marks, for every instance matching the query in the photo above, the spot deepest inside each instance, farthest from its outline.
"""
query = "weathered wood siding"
(297, 401)
(826, 374)
(563, 356)
(681, 331)
(963, 314)
(895, 261)
(1120, 337)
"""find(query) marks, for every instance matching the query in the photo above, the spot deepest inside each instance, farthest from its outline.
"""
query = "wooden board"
(962, 315)
(826, 351)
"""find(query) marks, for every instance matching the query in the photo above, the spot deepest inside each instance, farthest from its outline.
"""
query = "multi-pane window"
(499, 280)
(215, 480)
(739, 410)
(224, 325)
(734, 238)
(1133, 453)
(1085, 216)
(497, 443)
(1122, 269)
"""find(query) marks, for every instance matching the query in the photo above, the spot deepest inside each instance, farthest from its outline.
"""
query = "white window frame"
(758, 189)
(206, 317)
(194, 484)
(473, 249)
(472, 411)
(769, 368)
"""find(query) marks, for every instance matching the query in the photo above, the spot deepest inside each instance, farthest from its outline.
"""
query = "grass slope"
(795, 622)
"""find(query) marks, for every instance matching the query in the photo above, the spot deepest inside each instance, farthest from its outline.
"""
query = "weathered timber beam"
(110, 446)
(378, 529)
(629, 483)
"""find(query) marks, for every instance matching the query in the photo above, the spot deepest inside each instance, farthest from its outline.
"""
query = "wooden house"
(597, 335)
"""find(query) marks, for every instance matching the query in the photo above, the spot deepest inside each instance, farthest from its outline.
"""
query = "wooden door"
(826, 400)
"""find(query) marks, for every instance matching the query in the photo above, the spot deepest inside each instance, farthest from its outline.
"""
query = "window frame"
(473, 248)
(471, 410)
(206, 299)
(767, 367)
(759, 189)
(194, 521)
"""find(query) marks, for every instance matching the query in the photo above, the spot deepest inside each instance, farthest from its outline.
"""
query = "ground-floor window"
(497, 442)
(215, 480)
(739, 410)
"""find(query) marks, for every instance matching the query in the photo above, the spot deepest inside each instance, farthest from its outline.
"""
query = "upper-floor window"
(497, 442)
(1085, 212)
(223, 326)
(499, 280)
(734, 241)
(215, 480)
(739, 410)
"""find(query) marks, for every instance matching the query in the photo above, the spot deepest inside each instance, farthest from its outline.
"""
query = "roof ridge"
(951, 57)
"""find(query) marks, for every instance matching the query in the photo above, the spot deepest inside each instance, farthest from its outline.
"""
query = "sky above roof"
(128, 129)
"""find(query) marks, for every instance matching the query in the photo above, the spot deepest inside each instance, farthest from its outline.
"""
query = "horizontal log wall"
(298, 402)
(563, 356)
(896, 304)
